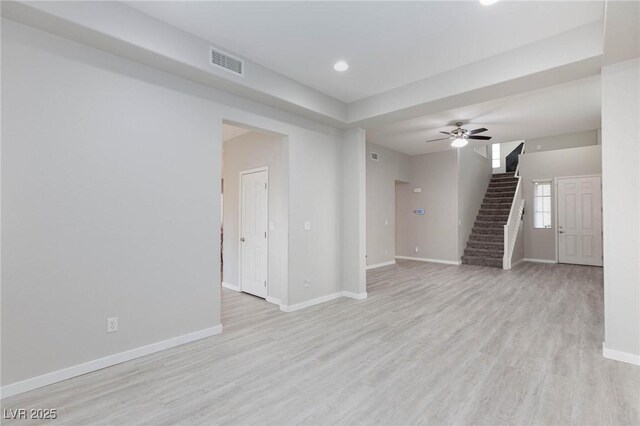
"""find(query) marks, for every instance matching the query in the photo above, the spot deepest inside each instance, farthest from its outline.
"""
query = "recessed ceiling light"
(459, 142)
(487, 2)
(341, 66)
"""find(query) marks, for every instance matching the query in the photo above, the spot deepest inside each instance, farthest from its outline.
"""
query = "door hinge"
(265, 234)
(265, 283)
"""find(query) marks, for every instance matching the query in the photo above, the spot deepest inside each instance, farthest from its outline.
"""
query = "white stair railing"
(514, 222)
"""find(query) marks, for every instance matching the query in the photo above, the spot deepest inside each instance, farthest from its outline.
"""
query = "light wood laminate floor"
(433, 344)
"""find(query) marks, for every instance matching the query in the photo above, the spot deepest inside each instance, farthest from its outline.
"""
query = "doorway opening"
(254, 215)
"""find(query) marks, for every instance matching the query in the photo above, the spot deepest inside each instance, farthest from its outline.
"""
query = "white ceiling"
(566, 108)
(387, 44)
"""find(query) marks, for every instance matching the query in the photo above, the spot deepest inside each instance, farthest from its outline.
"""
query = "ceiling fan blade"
(446, 133)
(476, 131)
(482, 138)
(441, 139)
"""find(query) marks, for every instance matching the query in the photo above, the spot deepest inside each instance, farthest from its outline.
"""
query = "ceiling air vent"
(230, 63)
(374, 156)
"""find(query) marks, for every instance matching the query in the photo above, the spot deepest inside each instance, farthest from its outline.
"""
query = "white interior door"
(254, 206)
(580, 220)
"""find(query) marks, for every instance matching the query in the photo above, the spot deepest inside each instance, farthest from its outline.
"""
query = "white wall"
(569, 140)
(474, 175)
(436, 232)
(541, 243)
(110, 207)
(392, 166)
(621, 215)
(245, 152)
(111, 189)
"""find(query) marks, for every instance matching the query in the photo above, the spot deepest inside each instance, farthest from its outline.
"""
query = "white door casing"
(579, 217)
(254, 205)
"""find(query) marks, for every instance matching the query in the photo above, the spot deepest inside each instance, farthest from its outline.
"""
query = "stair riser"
(496, 206)
(483, 262)
(503, 184)
(490, 225)
(498, 220)
(499, 194)
(492, 212)
(505, 190)
(483, 254)
(485, 231)
(486, 245)
(487, 238)
(494, 203)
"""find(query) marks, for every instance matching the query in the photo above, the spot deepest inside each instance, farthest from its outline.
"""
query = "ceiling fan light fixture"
(459, 142)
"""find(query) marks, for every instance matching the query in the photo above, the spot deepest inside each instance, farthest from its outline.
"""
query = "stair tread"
(477, 251)
(472, 257)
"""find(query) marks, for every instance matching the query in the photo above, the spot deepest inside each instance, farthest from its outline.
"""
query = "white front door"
(254, 206)
(580, 220)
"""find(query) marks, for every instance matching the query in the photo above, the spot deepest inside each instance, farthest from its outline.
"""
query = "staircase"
(486, 243)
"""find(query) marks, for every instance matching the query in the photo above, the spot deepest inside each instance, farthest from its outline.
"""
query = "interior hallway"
(432, 344)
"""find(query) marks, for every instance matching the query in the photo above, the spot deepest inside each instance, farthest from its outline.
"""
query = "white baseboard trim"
(528, 259)
(424, 259)
(517, 262)
(231, 286)
(352, 295)
(632, 359)
(380, 265)
(108, 361)
(273, 300)
(322, 299)
(308, 303)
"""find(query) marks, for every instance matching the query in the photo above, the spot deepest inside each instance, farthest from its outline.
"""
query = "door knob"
(242, 239)
(560, 232)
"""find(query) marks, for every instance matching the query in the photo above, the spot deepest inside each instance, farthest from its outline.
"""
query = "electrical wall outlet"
(416, 249)
(306, 282)
(112, 324)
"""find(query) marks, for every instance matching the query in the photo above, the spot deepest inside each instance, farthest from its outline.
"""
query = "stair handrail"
(514, 221)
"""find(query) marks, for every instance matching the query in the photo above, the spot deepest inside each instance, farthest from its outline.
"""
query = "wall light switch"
(307, 226)
(386, 221)
(272, 226)
(417, 189)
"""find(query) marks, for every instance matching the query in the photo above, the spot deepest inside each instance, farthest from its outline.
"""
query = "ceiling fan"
(460, 136)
